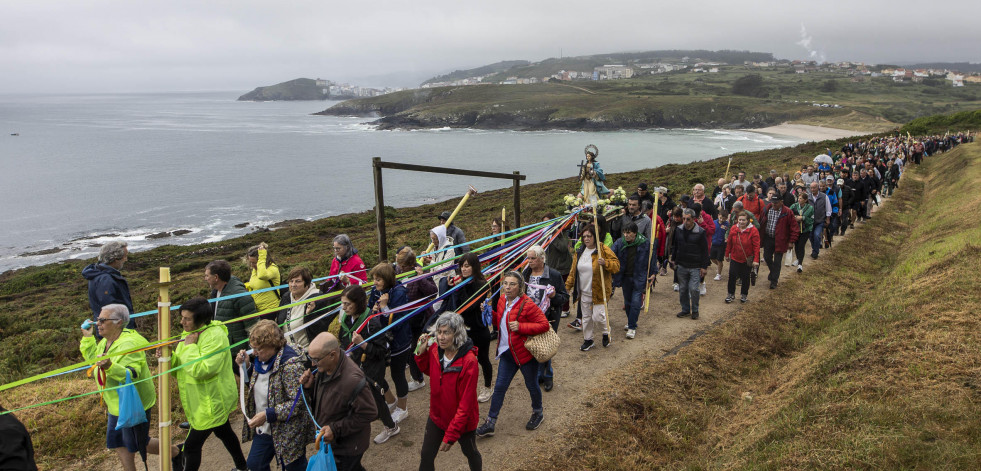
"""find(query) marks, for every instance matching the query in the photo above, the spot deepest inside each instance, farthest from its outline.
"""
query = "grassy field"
(41, 307)
(868, 362)
(676, 99)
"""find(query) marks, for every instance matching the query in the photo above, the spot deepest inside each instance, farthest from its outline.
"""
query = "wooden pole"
(598, 213)
(163, 386)
(380, 209)
(726, 178)
(650, 255)
(517, 200)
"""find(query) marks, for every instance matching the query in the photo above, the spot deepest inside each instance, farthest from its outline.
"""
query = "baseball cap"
(443, 215)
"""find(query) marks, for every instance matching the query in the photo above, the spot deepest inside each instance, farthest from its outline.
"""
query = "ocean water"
(85, 169)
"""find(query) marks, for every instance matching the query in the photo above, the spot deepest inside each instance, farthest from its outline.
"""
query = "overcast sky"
(114, 45)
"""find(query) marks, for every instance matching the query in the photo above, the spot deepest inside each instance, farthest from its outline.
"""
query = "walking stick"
(650, 256)
(471, 191)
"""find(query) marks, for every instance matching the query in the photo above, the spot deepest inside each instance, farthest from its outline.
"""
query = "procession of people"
(466, 317)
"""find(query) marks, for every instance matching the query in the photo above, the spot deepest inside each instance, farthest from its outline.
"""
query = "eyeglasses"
(510, 283)
(101, 320)
(337, 247)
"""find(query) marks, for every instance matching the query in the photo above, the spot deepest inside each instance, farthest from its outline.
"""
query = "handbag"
(543, 346)
(131, 412)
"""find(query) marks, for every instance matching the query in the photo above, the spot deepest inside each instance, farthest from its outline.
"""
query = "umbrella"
(823, 158)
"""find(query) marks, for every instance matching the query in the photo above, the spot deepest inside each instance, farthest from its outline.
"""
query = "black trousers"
(799, 248)
(772, 258)
(741, 271)
(348, 462)
(482, 339)
(195, 442)
(434, 438)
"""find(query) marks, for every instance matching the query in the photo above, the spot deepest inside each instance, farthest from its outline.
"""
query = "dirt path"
(576, 373)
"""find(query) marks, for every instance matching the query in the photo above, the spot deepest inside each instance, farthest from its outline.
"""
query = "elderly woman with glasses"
(518, 317)
(451, 363)
(117, 339)
(277, 428)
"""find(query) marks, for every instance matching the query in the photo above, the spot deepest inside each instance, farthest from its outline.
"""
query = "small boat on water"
(15, 134)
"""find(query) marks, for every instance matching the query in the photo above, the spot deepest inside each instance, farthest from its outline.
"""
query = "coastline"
(808, 132)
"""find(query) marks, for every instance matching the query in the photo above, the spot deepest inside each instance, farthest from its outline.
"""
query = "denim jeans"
(689, 281)
(817, 236)
(506, 369)
(263, 452)
(633, 300)
(545, 369)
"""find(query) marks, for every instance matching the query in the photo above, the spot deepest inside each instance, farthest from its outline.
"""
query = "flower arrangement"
(618, 197)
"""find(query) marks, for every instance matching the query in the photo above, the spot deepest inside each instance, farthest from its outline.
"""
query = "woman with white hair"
(347, 267)
(451, 363)
(116, 338)
(546, 286)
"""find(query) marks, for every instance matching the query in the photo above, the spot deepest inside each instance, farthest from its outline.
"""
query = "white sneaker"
(484, 394)
(631, 333)
(416, 385)
(399, 415)
(626, 326)
(676, 287)
(718, 277)
(387, 433)
(702, 290)
(392, 406)
(565, 314)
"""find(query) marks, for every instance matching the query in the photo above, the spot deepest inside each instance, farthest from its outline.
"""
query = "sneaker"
(417, 385)
(487, 429)
(399, 415)
(185, 425)
(800, 268)
(484, 394)
(606, 340)
(391, 407)
(676, 287)
(535, 420)
(793, 264)
(694, 316)
(576, 324)
(631, 333)
(626, 326)
(718, 277)
(565, 314)
(701, 290)
(773, 285)
(743, 299)
(387, 433)
(586, 345)
(730, 298)
(548, 384)
(682, 314)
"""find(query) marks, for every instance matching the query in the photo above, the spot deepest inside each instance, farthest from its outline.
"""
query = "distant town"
(344, 91)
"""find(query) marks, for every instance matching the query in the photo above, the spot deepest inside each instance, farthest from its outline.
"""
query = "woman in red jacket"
(743, 254)
(451, 363)
(517, 318)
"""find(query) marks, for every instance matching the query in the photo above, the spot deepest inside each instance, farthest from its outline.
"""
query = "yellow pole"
(726, 178)
(650, 255)
(471, 191)
(163, 386)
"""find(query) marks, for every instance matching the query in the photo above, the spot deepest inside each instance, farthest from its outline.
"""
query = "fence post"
(163, 386)
(517, 199)
(379, 209)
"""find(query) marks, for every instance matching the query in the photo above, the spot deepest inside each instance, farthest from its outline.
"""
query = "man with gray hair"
(107, 285)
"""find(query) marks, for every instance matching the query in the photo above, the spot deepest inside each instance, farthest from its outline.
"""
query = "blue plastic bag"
(487, 314)
(323, 460)
(131, 412)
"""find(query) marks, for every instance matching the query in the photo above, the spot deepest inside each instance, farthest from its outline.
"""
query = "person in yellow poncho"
(265, 274)
(116, 338)
(207, 385)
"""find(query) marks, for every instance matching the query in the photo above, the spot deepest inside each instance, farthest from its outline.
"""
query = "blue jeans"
(506, 369)
(633, 300)
(816, 237)
(689, 280)
(263, 452)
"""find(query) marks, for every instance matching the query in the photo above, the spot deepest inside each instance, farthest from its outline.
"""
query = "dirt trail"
(576, 374)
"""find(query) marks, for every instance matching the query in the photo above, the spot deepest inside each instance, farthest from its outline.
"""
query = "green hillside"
(297, 89)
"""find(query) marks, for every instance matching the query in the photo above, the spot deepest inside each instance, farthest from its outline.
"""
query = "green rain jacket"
(128, 339)
(207, 387)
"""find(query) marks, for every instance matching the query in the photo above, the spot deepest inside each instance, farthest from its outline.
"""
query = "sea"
(83, 169)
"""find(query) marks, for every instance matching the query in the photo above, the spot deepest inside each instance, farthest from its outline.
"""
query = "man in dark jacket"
(455, 233)
(218, 274)
(859, 195)
(645, 196)
(690, 259)
(341, 400)
(537, 277)
(107, 285)
(637, 269)
(16, 449)
(779, 230)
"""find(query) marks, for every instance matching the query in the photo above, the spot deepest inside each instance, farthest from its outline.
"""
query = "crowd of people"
(309, 372)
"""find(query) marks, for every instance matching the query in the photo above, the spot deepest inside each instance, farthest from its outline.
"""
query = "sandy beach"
(808, 132)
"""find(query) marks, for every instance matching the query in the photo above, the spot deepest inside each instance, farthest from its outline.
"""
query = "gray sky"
(114, 45)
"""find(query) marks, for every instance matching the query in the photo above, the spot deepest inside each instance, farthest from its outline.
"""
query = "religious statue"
(592, 181)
